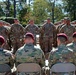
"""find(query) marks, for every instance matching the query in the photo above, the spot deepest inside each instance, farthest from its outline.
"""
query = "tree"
(1, 12)
(40, 10)
(70, 8)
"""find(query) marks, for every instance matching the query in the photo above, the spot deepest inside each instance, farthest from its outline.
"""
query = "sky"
(58, 1)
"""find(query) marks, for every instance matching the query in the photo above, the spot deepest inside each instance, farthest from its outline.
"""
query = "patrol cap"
(62, 35)
(2, 40)
(48, 18)
(74, 34)
(66, 18)
(29, 35)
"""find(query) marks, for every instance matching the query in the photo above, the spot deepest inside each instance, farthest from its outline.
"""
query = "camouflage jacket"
(16, 31)
(4, 32)
(72, 46)
(29, 54)
(4, 56)
(62, 54)
(48, 30)
(32, 28)
(68, 30)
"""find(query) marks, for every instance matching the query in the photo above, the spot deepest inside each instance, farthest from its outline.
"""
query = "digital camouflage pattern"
(32, 29)
(16, 36)
(73, 47)
(4, 56)
(62, 54)
(68, 30)
(47, 37)
(29, 54)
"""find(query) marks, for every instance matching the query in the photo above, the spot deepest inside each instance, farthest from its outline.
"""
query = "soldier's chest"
(68, 30)
(48, 28)
(16, 28)
(2, 30)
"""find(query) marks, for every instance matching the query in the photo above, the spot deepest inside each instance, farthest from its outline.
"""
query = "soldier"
(47, 36)
(16, 35)
(63, 22)
(68, 29)
(5, 55)
(61, 54)
(29, 53)
(32, 28)
(5, 33)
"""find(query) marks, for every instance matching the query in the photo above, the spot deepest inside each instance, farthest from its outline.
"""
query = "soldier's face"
(31, 22)
(68, 22)
(48, 21)
(28, 40)
(16, 21)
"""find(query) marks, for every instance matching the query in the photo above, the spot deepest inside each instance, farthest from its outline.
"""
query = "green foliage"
(70, 8)
(40, 10)
(1, 12)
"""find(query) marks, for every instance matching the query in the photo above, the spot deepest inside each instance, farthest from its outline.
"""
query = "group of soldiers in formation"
(57, 43)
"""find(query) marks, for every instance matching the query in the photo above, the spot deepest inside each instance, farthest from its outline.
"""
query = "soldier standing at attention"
(16, 35)
(68, 29)
(47, 36)
(61, 54)
(5, 33)
(29, 53)
(32, 28)
(63, 22)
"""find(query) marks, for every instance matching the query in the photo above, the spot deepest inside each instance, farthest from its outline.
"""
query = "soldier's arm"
(62, 29)
(26, 29)
(54, 37)
(57, 29)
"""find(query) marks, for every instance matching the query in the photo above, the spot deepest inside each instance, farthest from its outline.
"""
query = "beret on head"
(62, 35)
(29, 35)
(2, 40)
(74, 34)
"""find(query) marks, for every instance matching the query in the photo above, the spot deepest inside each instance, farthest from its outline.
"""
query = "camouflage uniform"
(47, 37)
(73, 47)
(62, 54)
(5, 57)
(4, 32)
(29, 54)
(68, 30)
(59, 27)
(32, 29)
(16, 36)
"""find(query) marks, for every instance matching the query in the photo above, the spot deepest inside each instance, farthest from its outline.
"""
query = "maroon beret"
(74, 34)
(2, 40)
(29, 35)
(62, 35)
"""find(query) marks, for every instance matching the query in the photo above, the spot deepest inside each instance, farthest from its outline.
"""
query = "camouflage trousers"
(47, 44)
